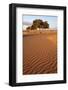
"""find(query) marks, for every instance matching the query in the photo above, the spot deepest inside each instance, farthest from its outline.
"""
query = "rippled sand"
(40, 54)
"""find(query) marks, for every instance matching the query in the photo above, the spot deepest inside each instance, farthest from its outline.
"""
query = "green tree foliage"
(33, 27)
(46, 25)
(38, 23)
(28, 28)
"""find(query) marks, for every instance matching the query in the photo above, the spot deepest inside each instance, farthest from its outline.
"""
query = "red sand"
(40, 54)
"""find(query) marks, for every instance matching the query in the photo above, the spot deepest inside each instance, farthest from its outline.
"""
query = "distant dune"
(40, 53)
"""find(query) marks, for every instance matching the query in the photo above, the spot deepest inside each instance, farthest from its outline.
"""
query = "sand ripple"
(40, 54)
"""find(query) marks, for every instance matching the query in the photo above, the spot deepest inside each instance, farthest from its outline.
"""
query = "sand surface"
(40, 54)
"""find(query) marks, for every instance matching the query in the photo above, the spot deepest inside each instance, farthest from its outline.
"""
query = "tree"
(38, 23)
(46, 25)
(28, 28)
(33, 27)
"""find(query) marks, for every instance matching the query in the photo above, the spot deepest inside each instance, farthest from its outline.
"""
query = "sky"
(28, 19)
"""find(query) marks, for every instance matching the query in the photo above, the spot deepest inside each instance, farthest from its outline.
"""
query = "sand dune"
(40, 54)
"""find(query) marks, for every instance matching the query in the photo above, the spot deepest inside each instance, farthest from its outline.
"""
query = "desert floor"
(40, 53)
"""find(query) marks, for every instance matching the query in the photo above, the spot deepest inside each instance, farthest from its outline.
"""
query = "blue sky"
(52, 20)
